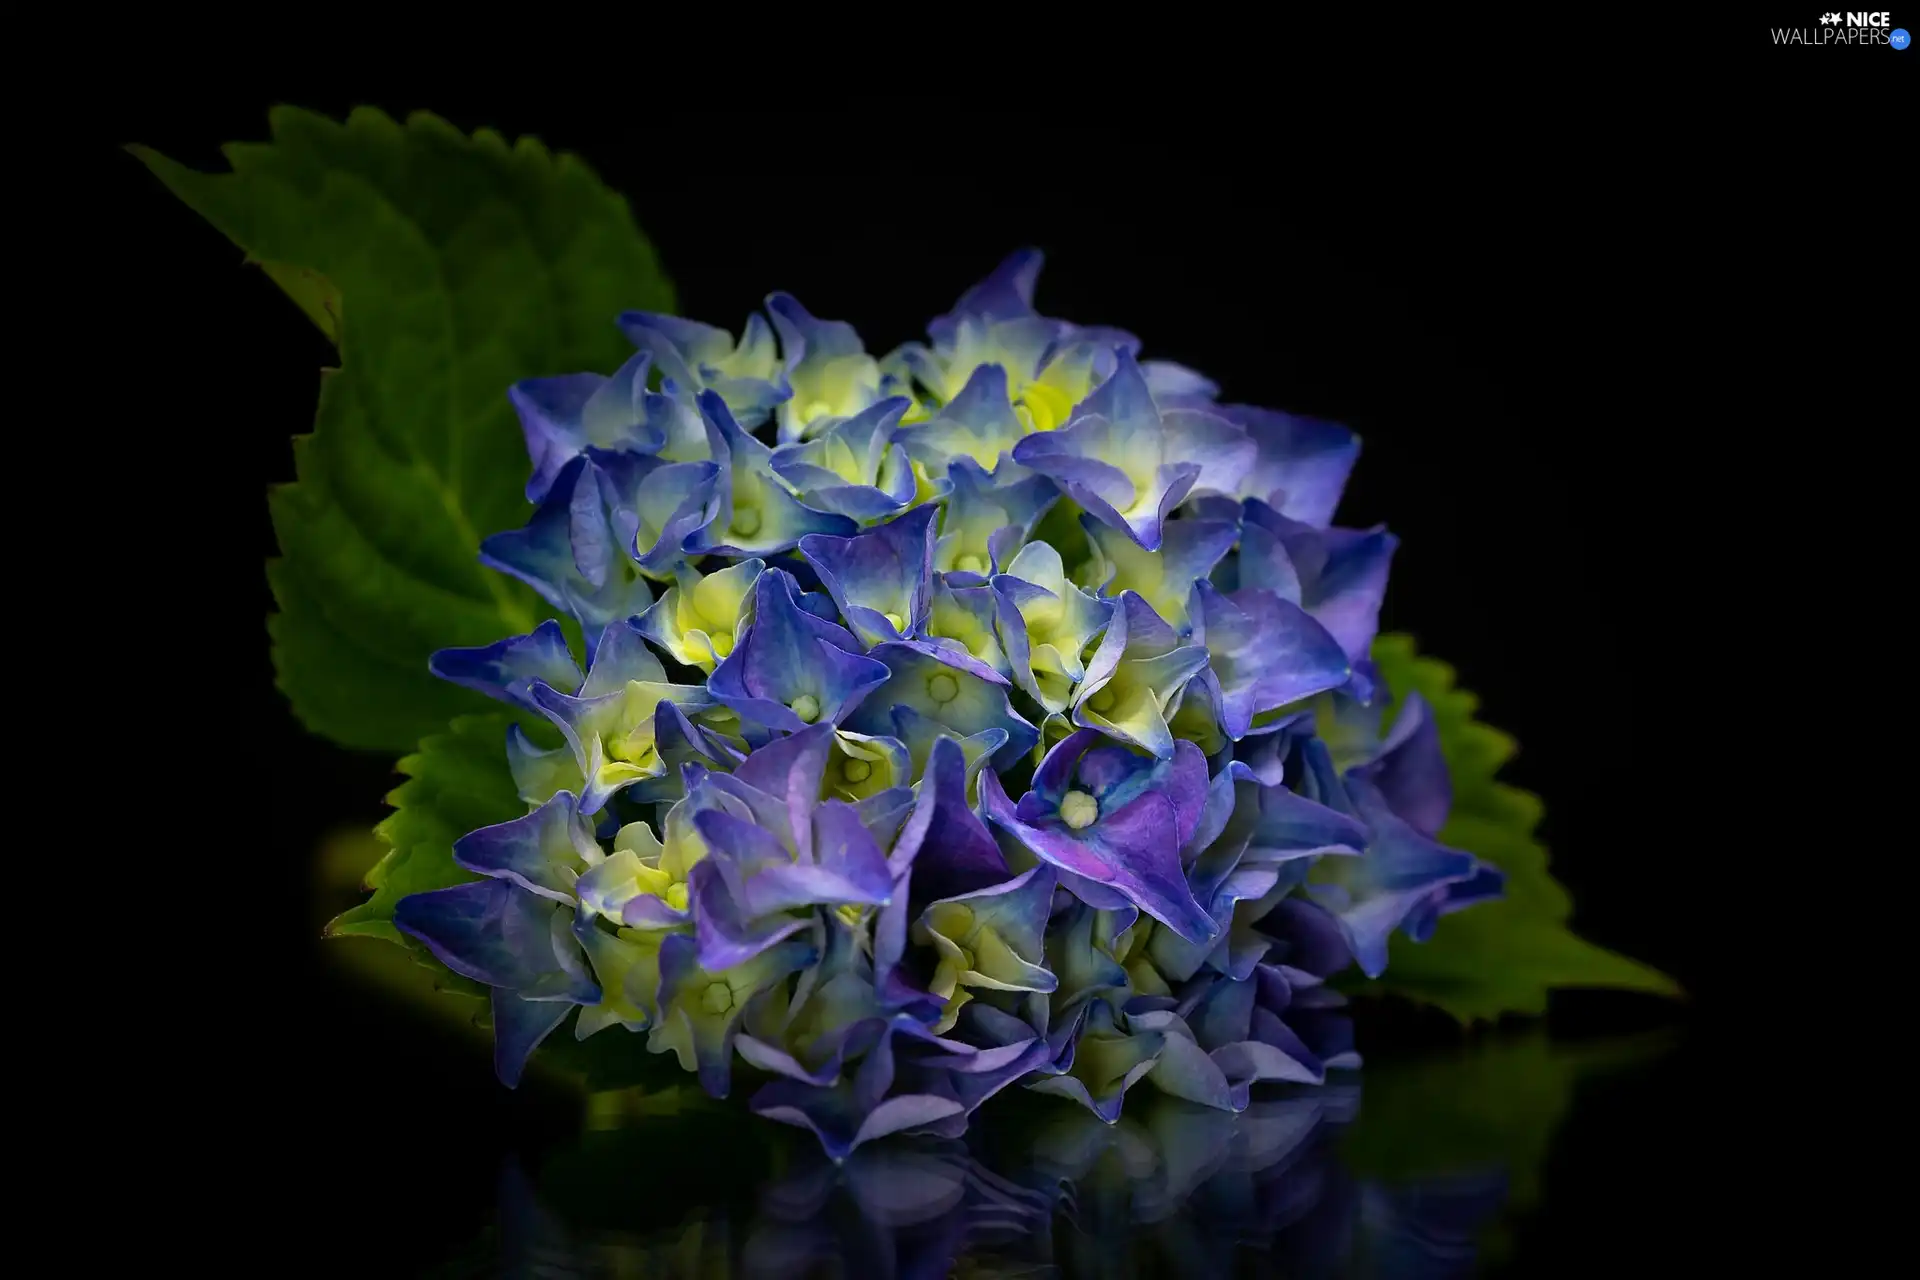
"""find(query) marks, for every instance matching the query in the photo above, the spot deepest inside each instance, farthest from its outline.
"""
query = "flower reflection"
(1172, 1188)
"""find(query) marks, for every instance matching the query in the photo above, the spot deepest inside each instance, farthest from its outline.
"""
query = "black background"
(1477, 308)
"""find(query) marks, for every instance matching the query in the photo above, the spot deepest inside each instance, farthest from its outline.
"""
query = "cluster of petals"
(993, 713)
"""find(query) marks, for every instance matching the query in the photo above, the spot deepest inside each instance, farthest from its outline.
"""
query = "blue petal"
(1337, 575)
(564, 416)
(966, 696)
(1264, 653)
(1301, 465)
(881, 480)
(1487, 884)
(886, 570)
(543, 852)
(950, 849)
(1005, 294)
(519, 1025)
(506, 669)
(496, 933)
(727, 933)
(985, 513)
(570, 554)
(978, 424)
(623, 656)
(1410, 771)
(658, 506)
(787, 654)
(696, 357)
(757, 516)
(827, 366)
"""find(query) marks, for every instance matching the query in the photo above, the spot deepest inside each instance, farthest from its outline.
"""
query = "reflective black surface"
(1418, 1167)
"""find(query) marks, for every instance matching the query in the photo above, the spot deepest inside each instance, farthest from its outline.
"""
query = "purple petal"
(1410, 770)
(519, 1025)
(506, 669)
(543, 852)
(950, 849)
(725, 933)
(887, 569)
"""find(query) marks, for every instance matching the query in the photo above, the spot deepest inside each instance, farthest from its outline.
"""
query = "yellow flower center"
(1101, 699)
(970, 564)
(717, 998)
(856, 771)
(818, 409)
(722, 643)
(632, 748)
(806, 706)
(676, 896)
(1046, 406)
(1078, 809)
(897, 622)
(746, 521)
(943, 688)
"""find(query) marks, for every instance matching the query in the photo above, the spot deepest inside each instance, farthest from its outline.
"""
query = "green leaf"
(1497, 957)
(445, 268)
(457, 781)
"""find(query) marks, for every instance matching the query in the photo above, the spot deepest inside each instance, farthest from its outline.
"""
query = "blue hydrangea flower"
(919, 734)
(562, 417)
(790, 668)
(828, 874)
(1050, 365)
(702, 1010)
(882, 579)
(964, 618)
(1255, 843)
(1164, 578)
(508, 669)
(755, 514)
(555, 923)
(1263, 653)
(993, 324)
(1401, 869)
(984, 519)
(1134, 677)
(610, 721)
(571, 552)
(698, 620)
(695, 357)
(1112, 820)
(978, 424)
(775, 848)
(827, 366)
(1129, 464)
(863, 766)
(989, 938)
(1300, 466)
(657, 507)
(1409, 775)
(853, 467)
(1045, 624)
(1339, 576)
(945, 686)
(519, 944)
(1107, 1060)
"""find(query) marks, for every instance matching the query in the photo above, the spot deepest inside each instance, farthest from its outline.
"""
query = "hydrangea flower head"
(993, 712)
